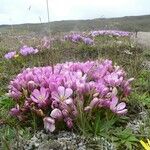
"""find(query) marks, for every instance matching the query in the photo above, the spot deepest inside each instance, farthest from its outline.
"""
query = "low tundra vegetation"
(91, 83)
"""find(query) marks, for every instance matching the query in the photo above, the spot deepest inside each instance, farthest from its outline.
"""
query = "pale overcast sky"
(32, 11)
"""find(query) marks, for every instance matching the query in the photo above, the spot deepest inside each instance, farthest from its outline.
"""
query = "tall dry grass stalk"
(48, 18)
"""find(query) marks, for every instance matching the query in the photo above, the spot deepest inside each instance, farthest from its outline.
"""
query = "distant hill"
(129, 23)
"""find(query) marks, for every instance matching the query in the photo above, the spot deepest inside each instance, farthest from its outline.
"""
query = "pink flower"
(69, 122)
(25, 50)
(55, 104)
(49, 124)
(127, 87)
(88, 41)
(102, 89)
(31, 85)
(65, 113)
(94, 103)
(118, 108)
(40, 96)
(14, 93)
(113, 79)
(15, 111)
(62, 94)
(61, 90)
(10, 55)
(56, 114)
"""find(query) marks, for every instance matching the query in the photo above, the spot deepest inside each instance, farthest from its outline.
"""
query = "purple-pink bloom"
(62, 94)
(113, 79)
(69, 122)
(76, 38)
(31, 85)
(93, 104)
(127, 87)
(25, 50)
(59, 91)
(14, 93)
(111, 33)
(88, 41)
(118, 108)
(65, 113)
(40, 96)
(56, 114)
(15, 111)
(49, 124)
(102, 89)
(10, 55)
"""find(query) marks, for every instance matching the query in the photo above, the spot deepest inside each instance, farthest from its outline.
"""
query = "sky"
(35, 11)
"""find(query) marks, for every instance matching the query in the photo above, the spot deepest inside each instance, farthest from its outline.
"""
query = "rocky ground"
(63, 141)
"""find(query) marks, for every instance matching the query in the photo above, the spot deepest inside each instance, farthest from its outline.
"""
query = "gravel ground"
(63, 141)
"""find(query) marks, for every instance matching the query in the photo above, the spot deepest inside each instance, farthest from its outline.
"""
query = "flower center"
(62, 97)
(41, 97)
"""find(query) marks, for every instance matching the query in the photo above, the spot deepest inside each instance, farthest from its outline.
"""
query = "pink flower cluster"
(56, 93)
(10, 55)
(76, 38)
(25, 50)
(110, 33)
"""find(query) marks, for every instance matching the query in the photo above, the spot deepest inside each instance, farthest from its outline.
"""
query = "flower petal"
(113, 103)
(122, 112)
(43, 91)
(55, 96)
(68, 92)
(56, 114)
(69, 101)
(52, 127)
(36, 93)
(121, 106)
(34, 99)
(94, 102)
(49, 124)
(61, 91)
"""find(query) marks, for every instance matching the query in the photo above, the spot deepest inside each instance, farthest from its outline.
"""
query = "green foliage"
(98, 122)
(147, 54)
(10, 135)
(10, 129)
(5, 105)
(124, 139)
(141, 93)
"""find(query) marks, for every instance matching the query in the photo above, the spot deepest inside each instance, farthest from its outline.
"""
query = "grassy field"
(130, 23)
(123, 51)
